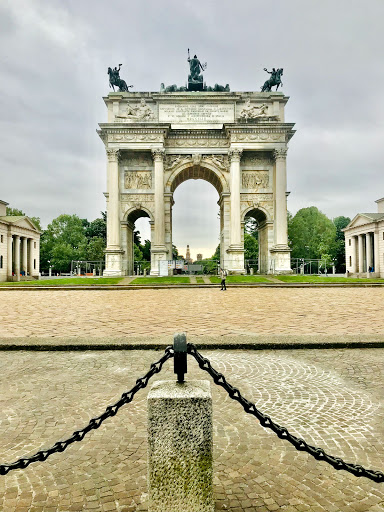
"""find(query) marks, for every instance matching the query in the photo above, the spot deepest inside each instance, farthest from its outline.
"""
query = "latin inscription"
(197, 113)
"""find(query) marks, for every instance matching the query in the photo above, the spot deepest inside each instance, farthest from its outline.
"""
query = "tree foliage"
(311, 234)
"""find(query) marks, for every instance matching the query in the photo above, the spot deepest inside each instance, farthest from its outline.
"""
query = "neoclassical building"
(237, 141)
(364, 243)
(19, 247)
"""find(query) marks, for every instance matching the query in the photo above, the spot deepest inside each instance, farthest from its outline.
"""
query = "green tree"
(97, 228)
(95, 249)
(146, 250)
(340, 223)
(251, 246)
(311, 234)
(63, 240)
(175, 252)
(216, 255)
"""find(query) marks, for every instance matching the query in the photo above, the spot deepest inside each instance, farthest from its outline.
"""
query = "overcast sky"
(53, 74)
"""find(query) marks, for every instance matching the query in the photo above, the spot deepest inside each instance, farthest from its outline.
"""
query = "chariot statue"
(115, 80)
(275, 79)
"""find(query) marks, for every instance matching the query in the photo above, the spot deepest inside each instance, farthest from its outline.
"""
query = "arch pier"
(204, 135)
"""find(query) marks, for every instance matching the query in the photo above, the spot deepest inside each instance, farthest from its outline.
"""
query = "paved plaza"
(331, 398)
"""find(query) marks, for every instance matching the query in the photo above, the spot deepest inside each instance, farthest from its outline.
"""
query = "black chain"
(94, 423)
(282, 433)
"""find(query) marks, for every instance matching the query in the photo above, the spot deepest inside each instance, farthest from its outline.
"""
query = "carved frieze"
(220, 161)
(137, 179)
(267, 197)
(173, 161)
(261, 136)
(196, 142)
(137, 198)
(135, 137)
(138, 159)
(255, 179)
(135, 113)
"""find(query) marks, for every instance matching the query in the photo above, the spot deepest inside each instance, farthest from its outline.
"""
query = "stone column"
(158, 248)
(234, 260)
(353, 255)
(9, 256)
(377, 264)
(30, 255)
(180, 447)
(235, 231)
(24, 249)
(17, 257)
(361, 253)
(280, 252)
(368, 245)
(113, 252)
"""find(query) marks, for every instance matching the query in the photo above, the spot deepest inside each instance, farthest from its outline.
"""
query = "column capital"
(113, 155)
(158, 154)
(235, 155)
(280, 153)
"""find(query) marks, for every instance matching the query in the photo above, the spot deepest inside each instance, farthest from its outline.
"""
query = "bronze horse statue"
(274, 80)
(115, 80)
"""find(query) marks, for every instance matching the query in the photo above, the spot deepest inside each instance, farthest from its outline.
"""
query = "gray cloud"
(54, 57)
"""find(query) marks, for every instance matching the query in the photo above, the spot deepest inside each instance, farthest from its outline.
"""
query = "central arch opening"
(138, 242)
(195, 218)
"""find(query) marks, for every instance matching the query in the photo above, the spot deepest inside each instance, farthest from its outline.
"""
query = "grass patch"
(161, 280)
(324, 279)
(199, 280)
(71, 281)
(240, 279)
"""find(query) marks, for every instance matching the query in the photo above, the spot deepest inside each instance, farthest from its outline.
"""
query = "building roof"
(373, 216)
(12, 218)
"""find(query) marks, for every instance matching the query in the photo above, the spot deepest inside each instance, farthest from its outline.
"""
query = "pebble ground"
(332, 398)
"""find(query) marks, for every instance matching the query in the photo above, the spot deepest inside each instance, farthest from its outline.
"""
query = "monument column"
(17, 257)
(376, 257)
(9, 256)
(353, 255)
(361, 253)
(158, 248)
(234, 262)
(280, 251)
(113, 252)
(24, 249)
(368, 245)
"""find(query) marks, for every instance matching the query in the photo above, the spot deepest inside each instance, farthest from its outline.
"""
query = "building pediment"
(359, 220)
(20, 221)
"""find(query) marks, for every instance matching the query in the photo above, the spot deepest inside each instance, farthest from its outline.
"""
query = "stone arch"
(136, 212)
(264, 221)
(259, 213)
(206, 172)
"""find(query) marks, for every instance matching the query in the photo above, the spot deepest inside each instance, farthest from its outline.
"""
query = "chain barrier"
(281, 432)
(94, 423)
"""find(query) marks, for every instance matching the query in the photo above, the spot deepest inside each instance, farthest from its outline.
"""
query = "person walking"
(223, 276)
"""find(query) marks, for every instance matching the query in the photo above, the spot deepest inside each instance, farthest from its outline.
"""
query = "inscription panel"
(197, 113)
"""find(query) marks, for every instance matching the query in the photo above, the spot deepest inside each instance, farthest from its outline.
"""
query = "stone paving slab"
(331, 398)
(199, 312)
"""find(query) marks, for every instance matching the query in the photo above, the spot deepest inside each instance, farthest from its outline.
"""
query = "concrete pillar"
(235, 228)
(361, 253)
(281, 228)
(24, 250)
(353, 255)
(10, 257)
(31, 253)
(17, 256)
(368, 245)
(377, 264)
(180, 447)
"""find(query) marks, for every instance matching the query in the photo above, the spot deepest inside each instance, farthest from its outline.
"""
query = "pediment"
(25, 222)
(359, 220)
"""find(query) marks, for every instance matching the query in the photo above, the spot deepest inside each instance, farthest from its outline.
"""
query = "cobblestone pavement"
(199, 312)
(332, 398)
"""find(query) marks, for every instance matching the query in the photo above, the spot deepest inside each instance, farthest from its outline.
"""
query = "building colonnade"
(22, 256)
(364, 252)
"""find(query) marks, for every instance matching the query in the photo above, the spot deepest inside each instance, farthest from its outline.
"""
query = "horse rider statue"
(115, 80)
(275, 79)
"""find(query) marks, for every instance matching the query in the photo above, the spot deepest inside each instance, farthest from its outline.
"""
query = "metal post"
(180, 357)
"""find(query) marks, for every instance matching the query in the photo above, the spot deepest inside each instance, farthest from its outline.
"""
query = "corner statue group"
(115, 80)
(275, 79)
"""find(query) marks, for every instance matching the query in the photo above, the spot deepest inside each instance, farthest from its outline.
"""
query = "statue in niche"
(115, 80)
(141, 112)
(275, 79)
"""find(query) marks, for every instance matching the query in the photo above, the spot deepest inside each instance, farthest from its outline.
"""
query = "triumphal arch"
(237, 141)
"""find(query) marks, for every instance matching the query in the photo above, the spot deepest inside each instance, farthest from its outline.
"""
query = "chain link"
(94, 423)
(281, 432)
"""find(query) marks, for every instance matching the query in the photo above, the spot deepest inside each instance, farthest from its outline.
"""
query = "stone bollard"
(180, 447)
